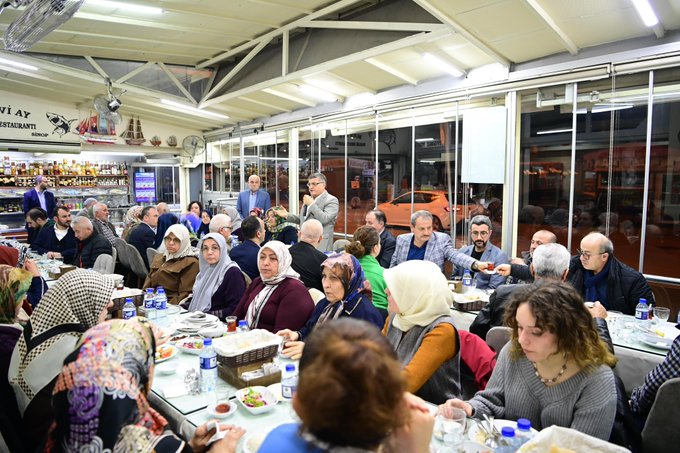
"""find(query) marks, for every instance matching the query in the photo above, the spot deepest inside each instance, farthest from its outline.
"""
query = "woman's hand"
(201, 437)
(415, 436)
(228, 443)
(281, 212)
(288, 335)
(293, 349)
(445, 409)
(31, 267)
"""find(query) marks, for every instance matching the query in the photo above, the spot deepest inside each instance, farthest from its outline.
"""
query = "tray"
(472, 305)
(233, 375)
(248, 357)
(245, 348)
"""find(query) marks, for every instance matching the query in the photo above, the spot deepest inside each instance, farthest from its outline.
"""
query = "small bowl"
(268, 397)
(222, 409)
(167, 368)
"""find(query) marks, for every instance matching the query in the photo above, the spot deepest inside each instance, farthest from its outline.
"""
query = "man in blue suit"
(252, 198)
(245, 254)
(39, 197)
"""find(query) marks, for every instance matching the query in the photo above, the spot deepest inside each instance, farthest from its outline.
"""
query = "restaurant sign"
(25, 118)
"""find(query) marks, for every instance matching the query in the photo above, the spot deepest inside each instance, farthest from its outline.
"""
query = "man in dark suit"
(38, 197)
(58, 240)
(377, 219)
(306, 258)
(252, 198)
(90, 243)
(245, 254)
(144, 235)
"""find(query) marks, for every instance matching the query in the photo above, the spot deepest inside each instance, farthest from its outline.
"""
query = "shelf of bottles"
(71, 174)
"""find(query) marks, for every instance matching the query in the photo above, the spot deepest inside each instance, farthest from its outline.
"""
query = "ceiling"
(250, 60)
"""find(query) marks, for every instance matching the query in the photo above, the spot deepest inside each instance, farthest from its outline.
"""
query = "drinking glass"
(662, 314)
(451, 430)
(231, 323)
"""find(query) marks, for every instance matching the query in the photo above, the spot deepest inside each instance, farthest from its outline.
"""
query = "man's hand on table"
(598, 310)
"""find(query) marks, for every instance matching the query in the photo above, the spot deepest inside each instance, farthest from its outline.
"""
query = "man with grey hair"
(306, 258)
(90, 243)
(162, 208)
(599, 276)
(550, 264)
(221, 224)
(319, 205)
(425, 244)
(483, 250)
(518, 268)
(101, 222)
(253, 198)
(87, 209)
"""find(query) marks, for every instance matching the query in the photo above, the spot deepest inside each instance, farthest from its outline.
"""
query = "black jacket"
(142, 238)
(625, 285)
(492, 314)
(90, 249)
(307, 262)
(47, 242)
(387, 245)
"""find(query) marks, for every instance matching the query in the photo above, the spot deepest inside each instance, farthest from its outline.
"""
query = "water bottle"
(508, 442)
(161, 303)
(150, 304)
(467, 281)
(289, 382)
(523, 432)
(129, 309)
(642, 313)
(242, 326)
(208, 367)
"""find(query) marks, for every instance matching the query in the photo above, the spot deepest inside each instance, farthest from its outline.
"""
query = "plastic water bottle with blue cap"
(208, 367)
(129, 309)
(150, 304)
(161, 303)
(289, 382)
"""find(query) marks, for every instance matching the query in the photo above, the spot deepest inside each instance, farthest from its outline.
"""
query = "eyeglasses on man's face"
(588, 255)
(313, 184)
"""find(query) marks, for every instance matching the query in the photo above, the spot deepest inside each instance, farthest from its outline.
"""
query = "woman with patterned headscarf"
(100, 398)
(175, 269)
(276, 299)
(14, 284)
(10, 257)
(348, 293)
(78, 300)
(421, 329)
(278, 228)
(132, 219)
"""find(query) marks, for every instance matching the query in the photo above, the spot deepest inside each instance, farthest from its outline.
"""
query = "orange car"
(398, 211)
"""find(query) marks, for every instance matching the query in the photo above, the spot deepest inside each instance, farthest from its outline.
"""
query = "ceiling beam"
(350, 82)
(550, 22)
(290, 97)
(265, 104)
(96, 67)
(464, 32)
(332, 64)
(177, 83)
(285, 41)
(283, 5)
(212, 15)
(392, 71)
(135, 71)
(333, 7)
(366, 25)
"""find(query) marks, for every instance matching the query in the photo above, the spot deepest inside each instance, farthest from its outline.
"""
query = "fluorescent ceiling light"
(16, 64)
(427, 161)
(193, 110)
(424, 140)
(127, 6)
(446, 66)
(318, 93)
(113, 153)
(646, 13)
(553, 131)
(602, 108)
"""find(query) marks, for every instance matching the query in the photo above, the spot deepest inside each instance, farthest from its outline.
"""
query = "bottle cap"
(524, 424)
(643, 300)
(290, 367)
(207, 342)
(243, 323)
(128, 300)
(507, 431)
(149, 290)
(160, 289)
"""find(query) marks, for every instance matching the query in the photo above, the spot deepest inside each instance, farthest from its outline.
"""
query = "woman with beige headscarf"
(421, 329)
(176, 268)
(133, 218)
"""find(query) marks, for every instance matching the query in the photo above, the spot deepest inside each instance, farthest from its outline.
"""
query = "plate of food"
(657, 341)
(190, 345)
(253, 441)
(198, 318)
(257, 399)
(165, 352)
(490, 271)
(477, 434)
(178, 337)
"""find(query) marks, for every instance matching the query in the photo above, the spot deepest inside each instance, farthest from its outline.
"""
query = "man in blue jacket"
(38, 197)
(252, 198)
(245, 254)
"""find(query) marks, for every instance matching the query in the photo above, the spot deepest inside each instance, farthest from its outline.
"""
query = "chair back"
(316, 295)
(497, 337)
(151, 254)
(660, 431)
(136, 263)
(104, 264)
(120, 247)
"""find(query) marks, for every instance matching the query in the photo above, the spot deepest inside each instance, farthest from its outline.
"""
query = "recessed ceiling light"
(646, 13)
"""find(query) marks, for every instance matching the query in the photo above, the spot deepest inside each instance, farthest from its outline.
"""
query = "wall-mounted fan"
(193, 146)
(109, 103)
(38, 20)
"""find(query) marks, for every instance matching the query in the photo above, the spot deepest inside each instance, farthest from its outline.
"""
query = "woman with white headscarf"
(421, 329)
(277, 299)
(220, 282)
(176, 269)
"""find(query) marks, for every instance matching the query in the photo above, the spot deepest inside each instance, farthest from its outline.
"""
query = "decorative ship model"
(133, 135)
(97, 129)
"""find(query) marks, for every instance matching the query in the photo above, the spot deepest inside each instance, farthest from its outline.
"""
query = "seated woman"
(176, 269)
(100, 398)
(277, 299)
(347, 363)
(204, 228)
(220, 284)
(278, 228)
(10, 257)
(422, 331)
(348, 294)
(14, 285)
(365, 246)
(164, 222)
(133, 218)
(80, 299)
(555, 370)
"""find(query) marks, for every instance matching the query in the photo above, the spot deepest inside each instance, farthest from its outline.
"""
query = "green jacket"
(374, 274)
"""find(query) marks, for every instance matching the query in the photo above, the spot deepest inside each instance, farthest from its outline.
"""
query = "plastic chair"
(316, 295)
(660, 432)
(497, 336)
(120, 246)
(105, 264)
(136, 264)
(151, 254)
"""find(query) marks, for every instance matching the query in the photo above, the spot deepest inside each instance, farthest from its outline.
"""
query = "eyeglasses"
(225, 228)
(172, 240)
(479, 233)
(588, 255)
(313, 184)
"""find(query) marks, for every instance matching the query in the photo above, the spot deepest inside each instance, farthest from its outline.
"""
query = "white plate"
(276, 391)
(167, 368)
(182, 345)
(198, 319)
(488, 272)
(232, 409)
(656, 341)
(214, 331)
(269, 398)
(253, 441)
(498, 423)
(173, 354)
